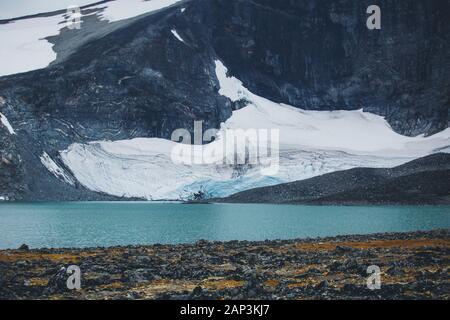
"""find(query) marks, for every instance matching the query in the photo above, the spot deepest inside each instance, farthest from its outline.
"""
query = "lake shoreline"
(84, 225)
(413, 265)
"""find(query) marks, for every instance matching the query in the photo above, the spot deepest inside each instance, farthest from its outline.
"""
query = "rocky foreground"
(413, 266)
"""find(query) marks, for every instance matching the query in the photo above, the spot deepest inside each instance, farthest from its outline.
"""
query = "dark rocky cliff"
(320, 55)
(133, 78)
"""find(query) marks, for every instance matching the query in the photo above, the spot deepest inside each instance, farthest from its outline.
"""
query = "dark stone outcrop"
(422, 181)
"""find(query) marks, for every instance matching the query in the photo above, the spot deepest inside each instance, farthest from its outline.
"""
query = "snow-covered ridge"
(311, 143)
(6, 123)
(24, 44)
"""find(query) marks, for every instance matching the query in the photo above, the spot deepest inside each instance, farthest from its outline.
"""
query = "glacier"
(312, 143)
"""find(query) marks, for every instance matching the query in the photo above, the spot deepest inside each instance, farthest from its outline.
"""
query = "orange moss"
(54, 257)
(298, 284)
(223, 284)
(222, 267)
(271, 283)
(151, 289)
(160, 282)
(41, 282)
(293, 269)
(113, 285)
(408, 244)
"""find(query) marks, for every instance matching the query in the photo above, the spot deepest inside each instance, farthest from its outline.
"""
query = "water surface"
(82, 224)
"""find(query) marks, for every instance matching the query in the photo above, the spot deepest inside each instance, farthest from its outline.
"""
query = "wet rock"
(24, 247)
(133, 296)
(251, 293)
(22, 264)
(343, 249)
(322, 285)
(198, 293)
(138, 275)
(202, 243)
(395, 272)
(335, 266)
(58, 282)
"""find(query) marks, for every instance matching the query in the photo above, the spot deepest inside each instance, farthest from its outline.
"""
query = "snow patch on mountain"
(312, 143)
(6, 123)
(24, 44)
(175, 33)
(55, 169)
(125, 9)
(356, 132)
(21, 8)
(230, 87)
(24, 47)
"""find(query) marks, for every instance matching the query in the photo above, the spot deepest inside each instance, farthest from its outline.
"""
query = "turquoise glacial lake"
(91, 224)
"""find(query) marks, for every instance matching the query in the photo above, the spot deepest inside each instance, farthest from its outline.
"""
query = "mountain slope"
(135, 70)
(422, 181)
(310, 143)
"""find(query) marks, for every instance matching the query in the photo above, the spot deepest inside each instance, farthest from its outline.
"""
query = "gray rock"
(24, 247)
